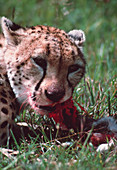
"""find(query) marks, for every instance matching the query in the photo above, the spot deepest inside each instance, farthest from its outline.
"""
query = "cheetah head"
(43, 63)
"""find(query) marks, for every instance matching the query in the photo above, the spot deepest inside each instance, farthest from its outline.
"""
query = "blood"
(65, 108)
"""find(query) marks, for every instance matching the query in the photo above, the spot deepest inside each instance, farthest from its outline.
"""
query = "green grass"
(97, 94)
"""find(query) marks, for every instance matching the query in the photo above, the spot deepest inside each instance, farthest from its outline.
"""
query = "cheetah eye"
(40, 62)
(73, 68)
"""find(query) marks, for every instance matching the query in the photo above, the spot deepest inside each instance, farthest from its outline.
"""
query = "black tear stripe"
(38, 85)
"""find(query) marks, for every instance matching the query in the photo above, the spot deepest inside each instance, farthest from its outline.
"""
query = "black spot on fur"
(41, 27)
(4, 124)
(18, 67)
(3, 100)
(15, 75)
(22, 64)
(46, 37)
(13, 79)
(4, 110)
(47, 33)
(3, 93)
(13, 105)
(11, 94)
(32, 27)
(73, 55)
(34, 96)
(18, 71)
(20, 81)
(48, 49)
(27, 78)
(15, 84)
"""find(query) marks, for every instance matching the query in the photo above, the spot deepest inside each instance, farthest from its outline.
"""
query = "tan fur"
(41, 62)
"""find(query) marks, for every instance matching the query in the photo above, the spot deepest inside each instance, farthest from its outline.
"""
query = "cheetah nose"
(55, 92)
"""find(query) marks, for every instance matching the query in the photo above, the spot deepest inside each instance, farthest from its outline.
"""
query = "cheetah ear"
(12, 32)
(77, 36)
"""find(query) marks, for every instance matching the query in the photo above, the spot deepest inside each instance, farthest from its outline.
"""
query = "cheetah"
(39, 67)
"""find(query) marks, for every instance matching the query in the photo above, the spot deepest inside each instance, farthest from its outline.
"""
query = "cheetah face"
(44, 64)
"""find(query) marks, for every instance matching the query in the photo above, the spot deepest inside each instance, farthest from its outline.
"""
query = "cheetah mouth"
(48, 108)
(53, 107)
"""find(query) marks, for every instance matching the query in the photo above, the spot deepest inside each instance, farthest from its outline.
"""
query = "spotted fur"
(7, 102)
(39, 66)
